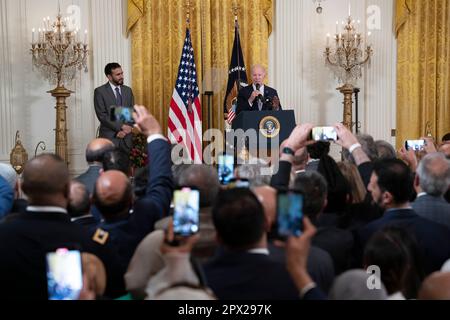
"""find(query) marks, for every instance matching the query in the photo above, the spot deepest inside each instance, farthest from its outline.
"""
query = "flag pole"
(236, 30)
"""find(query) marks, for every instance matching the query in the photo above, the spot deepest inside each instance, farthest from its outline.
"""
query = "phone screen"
(324, 134)
(290, 214)
(238, 183)
(186, 212)
(122, 114)
(64, 275)
(226, 168)
(416, 145)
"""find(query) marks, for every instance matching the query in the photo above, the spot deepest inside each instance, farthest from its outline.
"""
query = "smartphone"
(64, 274)
(238, 183)
(122, 114)
(416, 145)
(225, 168)
(324, 134)
(289, 214)
(186, 212)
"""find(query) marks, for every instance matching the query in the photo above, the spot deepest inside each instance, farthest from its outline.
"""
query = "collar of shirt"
(397, 209)
(421, 194)
(46, 209)
(263, 251)
(113, 87)
(82, 217)
(261, 89)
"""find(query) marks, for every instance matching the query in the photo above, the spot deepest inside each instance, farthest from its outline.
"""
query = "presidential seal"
(269, 127)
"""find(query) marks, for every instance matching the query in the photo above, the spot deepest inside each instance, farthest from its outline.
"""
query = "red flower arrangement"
(138, 154)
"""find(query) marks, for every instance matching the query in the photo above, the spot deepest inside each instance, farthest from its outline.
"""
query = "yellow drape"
(157, 30)
(423, 68)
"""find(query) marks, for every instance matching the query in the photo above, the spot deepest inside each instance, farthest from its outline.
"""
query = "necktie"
(119, 98)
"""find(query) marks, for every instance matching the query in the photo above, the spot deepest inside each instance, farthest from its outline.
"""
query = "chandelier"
(351, 52)
(58, 52)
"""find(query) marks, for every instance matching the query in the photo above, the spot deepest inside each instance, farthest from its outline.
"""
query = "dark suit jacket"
(127, 233)
(320, 265)
(246, 92)
(89, 178)
(433, 208)
(247, 276)
(104, 98)
(433, 238)
(25, 238)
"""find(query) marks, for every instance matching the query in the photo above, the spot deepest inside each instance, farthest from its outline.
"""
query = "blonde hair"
(351, 173)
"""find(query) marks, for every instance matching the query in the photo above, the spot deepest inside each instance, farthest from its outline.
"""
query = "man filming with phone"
(258, 97)
(114, 95)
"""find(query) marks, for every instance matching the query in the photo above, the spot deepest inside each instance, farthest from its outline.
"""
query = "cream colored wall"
(297, 69)
(24, 103)
(306, 85)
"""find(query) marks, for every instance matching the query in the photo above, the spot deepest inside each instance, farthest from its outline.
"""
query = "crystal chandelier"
(58, 52)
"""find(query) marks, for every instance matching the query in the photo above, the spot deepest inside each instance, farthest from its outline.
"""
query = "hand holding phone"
(64, 275)
(122, 114)
(324, 134)
(289, 214)
(416, 145)
(186, 218)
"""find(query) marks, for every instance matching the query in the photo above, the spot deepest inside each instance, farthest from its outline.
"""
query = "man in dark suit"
(26, 238)
(243, 269)
(432, 182)
(113, 194)
(79, 207)
(258, 97)
(95, 152)
(114, 93)
(391, 186)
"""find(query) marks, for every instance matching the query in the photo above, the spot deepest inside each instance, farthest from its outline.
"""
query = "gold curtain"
(157, 30)
(423, 68)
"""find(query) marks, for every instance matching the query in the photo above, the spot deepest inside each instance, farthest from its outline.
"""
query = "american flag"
(231, 114)
(185, 114)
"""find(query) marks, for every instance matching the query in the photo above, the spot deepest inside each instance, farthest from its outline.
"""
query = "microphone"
(260, 97)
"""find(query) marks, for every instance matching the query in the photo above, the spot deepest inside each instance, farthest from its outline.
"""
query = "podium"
(269, 128)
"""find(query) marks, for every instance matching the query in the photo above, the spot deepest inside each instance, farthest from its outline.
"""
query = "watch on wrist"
(288, 151)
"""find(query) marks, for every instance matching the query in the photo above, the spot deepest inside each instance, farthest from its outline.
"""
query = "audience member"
(46, 227)
(432, 182)
(79, 207)
(113, 194)
(116, 160)
(6, 197)
(385, 150)
(243, 269)
(351, 174)
(391, 186)
(436, 287)
(352, 285)
(320, 264)
(95, 152)
(397, 255)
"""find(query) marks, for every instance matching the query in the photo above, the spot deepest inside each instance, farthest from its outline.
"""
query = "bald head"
(436, 287)
(45, 177)
(79, 202)
(97, 148)
(113, 194)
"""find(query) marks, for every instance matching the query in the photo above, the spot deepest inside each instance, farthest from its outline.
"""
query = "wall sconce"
(18, 156)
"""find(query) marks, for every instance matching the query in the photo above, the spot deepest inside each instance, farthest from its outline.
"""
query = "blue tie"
(118, 97)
